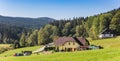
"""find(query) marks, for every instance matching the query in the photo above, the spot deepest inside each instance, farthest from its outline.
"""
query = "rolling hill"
(12, 27)
(25, 22)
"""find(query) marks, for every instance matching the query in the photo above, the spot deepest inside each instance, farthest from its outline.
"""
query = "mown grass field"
(111, 52)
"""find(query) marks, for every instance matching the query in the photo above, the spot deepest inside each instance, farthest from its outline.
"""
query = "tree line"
(77, 27)
(8, 34)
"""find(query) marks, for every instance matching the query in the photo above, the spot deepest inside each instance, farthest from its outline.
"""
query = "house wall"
(105, 35)
(68, 45)
(71, 45)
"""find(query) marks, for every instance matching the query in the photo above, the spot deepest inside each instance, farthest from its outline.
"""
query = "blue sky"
(58, 9)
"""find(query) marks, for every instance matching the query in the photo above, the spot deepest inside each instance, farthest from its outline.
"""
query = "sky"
(57, 9)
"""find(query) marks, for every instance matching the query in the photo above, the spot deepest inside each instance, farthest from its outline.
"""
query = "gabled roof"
(62, 40)
(107, 31)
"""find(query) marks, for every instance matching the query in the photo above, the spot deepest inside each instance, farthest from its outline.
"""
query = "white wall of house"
(106, 35)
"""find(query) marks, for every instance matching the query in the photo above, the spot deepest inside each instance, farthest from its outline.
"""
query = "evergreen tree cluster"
(8, 34)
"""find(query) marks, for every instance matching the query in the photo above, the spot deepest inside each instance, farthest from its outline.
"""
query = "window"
(73, 43)
(69, 43)
(104, 34)
(109, 34)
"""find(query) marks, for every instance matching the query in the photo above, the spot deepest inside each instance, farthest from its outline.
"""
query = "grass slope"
(93, 55)
(11, 52)
(108, 43)
(110, 53)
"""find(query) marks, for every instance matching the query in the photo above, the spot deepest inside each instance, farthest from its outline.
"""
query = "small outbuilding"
(107, 33)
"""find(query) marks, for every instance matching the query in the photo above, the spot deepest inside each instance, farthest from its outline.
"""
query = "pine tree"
(22, 40)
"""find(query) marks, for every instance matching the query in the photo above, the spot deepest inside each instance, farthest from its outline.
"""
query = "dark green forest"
(88, 27)
(11, 28)
(8, 34)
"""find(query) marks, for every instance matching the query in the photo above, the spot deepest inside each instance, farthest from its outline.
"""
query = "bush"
(49, 48)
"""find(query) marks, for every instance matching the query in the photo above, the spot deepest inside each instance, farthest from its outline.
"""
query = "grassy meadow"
(111, 52)
(11, 52)
(4, 45)
(108, 43)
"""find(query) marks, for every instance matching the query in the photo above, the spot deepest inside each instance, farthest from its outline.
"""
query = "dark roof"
(61, 40)
(107, 31)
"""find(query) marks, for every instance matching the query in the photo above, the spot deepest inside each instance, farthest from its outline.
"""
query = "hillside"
(107, 43)
(25, 22)
(111, 50)
(8, 34)
(11, 52)
(11, 28)
(89, 27)
(94, 55)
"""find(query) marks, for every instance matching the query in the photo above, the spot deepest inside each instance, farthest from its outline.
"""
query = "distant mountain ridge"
(25, 22)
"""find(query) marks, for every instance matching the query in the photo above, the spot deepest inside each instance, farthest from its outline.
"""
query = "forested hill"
(87, 27)
(25, 22)
(11, 28)
(90, 26)
(8, 34)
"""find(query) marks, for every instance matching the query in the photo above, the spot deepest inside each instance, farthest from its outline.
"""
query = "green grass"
(4, 45)
(92, 55)
(11, 52)
(111, 52)
(108, 43)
